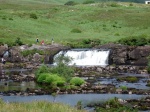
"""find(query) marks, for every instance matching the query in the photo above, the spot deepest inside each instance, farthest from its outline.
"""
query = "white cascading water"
(87, 57)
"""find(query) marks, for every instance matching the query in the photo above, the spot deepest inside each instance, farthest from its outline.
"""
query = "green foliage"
(18, 42)
(85, 43)
(70, 3)
(77, 81)
(148, 84)
(58, 20)
(135, 41)
(42, 77)
(128, 79)
(124, 88)
(36, 106)
(88, 2)
(148, 66)
(55, 79)
(61, 70)
(34, 16)
(114, 4)
(61, 59)
(41, 69)
(62, 67)
(113, 103)
(119, 109)
(76, 30)
(52, 79)
(32, 52)
(1, 43)
(115, 106)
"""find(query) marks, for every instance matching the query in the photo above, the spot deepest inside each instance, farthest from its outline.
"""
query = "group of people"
(42, 42)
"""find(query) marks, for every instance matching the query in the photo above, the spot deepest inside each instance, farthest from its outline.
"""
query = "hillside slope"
(110, 21)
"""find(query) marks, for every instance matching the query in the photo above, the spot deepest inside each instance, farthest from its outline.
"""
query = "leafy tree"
(62, 67)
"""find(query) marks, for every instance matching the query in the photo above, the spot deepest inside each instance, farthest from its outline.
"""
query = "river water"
(71, 99)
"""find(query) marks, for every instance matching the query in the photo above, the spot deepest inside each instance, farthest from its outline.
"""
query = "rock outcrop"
(127, 55)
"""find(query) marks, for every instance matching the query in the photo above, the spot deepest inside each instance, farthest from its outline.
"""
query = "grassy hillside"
(107, 21)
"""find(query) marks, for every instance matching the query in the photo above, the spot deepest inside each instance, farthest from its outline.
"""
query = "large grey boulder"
(127, 55)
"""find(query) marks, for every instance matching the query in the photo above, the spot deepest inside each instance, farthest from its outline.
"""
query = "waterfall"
(89, 57)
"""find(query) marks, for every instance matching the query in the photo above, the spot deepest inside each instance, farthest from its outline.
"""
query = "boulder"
(127, 55)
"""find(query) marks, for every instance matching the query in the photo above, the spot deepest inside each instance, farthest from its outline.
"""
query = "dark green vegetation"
(41, 106)
(60, 75)
(131, 79)
(83, 22)
(32, 52)
(113, 105)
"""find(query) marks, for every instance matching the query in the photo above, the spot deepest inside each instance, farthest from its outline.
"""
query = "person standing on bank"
(3, 60)
(37, 40)
(52, 41)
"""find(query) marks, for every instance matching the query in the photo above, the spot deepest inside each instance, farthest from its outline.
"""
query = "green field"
(107, 21)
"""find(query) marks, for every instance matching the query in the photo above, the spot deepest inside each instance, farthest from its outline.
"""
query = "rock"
(37, 58)
(125, 55)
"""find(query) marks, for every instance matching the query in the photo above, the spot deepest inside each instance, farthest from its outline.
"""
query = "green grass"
(36, 106)
(103, 20)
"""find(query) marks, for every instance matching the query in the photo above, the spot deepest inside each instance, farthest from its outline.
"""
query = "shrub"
(42, 77)
(85, 43)
(10, 18)
(76, 30)
(128, 79)
(1, 43)
(34, 16)
(117, 34)
(62, 67)
(41, 69)
(4, 18)
(148, 66)
(135, 41)
(70, 3)
(77, 81)
(124, 88)
(18, 42)
(148, 84)
(114, 4)
(55, 79)
(32, 52)
(88, 2)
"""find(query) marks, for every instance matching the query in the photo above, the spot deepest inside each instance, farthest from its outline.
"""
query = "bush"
(124, 88)
(128, 79)
(77, 81)
(135, 41)
(18, 42)
(54, 79)
(76, 30)
(42, 77)
(34, 16)
(85, 43)
(62, 67)
(148, 84)
(70, 3)
(88, 2)
(32, 52)
(114, 4)
(41, 69)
